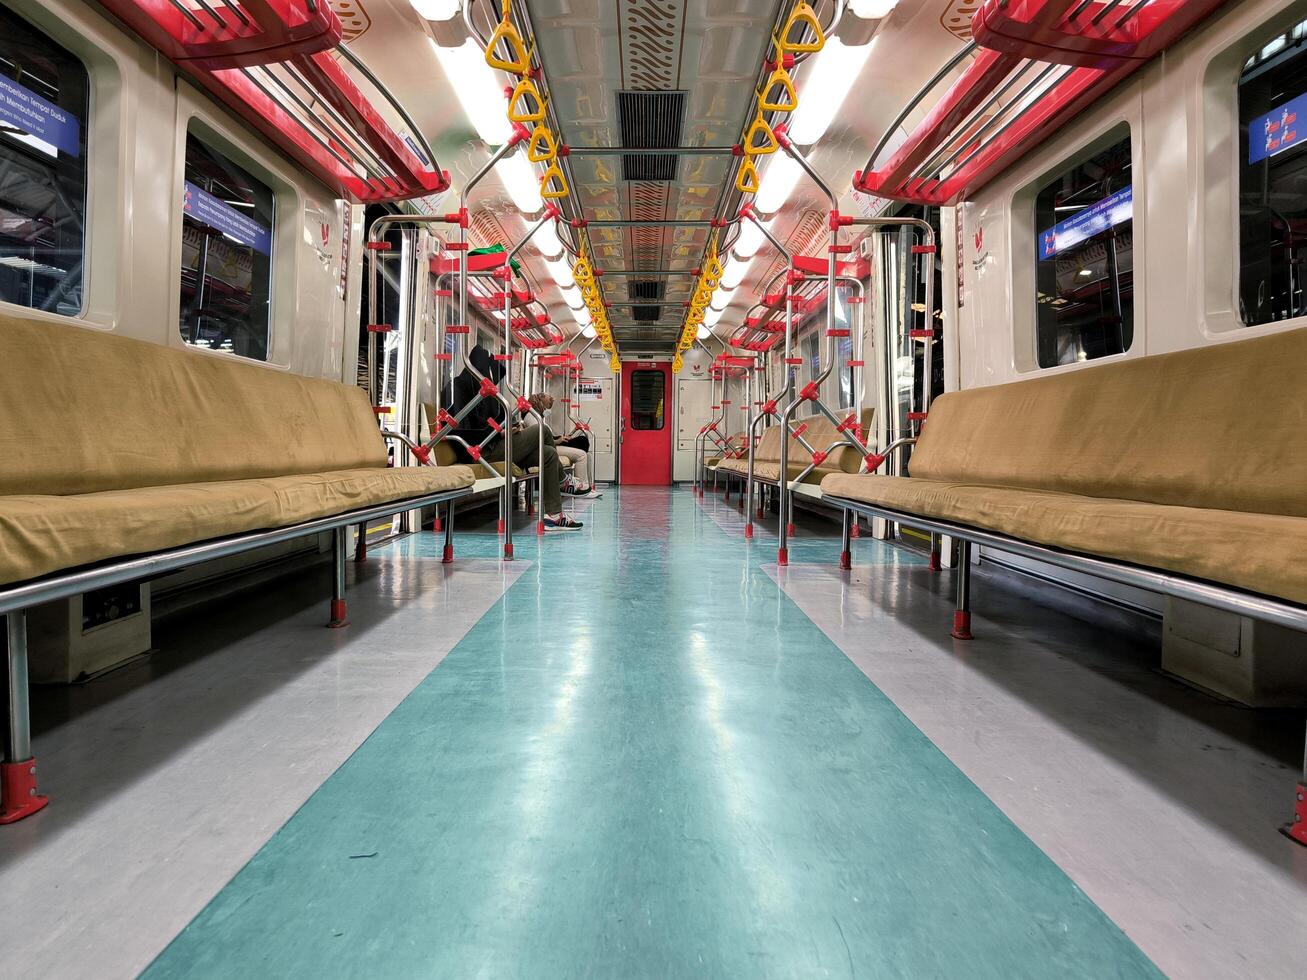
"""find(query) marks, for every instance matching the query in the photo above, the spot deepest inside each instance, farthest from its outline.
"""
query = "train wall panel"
(139, 113)
(1182, 115)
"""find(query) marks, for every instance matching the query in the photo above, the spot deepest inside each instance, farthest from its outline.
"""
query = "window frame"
(63, 34)
(1113, 138)
(1222, 170)
(196, 112)
(195, 127)
(1103, 130)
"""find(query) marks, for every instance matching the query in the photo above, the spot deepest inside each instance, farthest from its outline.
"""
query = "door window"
(648, 399)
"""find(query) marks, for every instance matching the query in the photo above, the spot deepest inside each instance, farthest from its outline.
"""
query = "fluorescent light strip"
(478, 90)
(834, 72)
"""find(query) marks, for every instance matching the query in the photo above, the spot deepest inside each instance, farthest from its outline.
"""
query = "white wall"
(1182, 114)
(139, 113)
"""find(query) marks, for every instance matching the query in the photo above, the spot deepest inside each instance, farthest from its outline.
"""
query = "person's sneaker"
(593, 492)
(562, 523)
(576, 491)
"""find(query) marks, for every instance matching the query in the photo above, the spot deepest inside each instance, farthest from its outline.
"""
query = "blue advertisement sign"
(216, 213)
(1093, 220)
(1277, 131)
(40, 118)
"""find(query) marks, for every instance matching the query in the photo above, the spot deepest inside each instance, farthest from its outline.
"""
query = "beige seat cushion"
(40, 534)
(84, 410)
(820, 433)
(1223, 426)
(1257, 552)
(116, 447)
(770, 472)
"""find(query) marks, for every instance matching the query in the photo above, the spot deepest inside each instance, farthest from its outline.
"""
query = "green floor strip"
(646, 761)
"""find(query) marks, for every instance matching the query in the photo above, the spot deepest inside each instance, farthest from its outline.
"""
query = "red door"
(646, 424)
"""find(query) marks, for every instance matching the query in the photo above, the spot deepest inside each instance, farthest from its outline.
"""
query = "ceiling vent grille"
(650, 119)
(650, 290)
(647, 314)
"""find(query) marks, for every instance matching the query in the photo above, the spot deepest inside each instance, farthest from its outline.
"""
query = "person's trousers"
(525, 446)
(580, 463)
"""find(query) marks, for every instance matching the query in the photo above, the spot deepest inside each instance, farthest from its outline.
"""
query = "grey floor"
(1161, 803)
(161, 791)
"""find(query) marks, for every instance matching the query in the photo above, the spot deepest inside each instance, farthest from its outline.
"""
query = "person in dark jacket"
(476, 427)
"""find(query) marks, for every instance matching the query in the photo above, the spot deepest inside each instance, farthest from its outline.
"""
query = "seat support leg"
(846, 539)
(962, 573)
(18, 794)
(1298, 829)
(934, 553)
(338, 615)
(361, 544)
(449, 533)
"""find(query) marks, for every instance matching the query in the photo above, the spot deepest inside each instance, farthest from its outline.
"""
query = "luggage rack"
(277, 64)
(1034, 64)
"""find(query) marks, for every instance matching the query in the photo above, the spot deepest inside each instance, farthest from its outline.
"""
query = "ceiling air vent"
(651, 119)
(647, 314)
(650, 290)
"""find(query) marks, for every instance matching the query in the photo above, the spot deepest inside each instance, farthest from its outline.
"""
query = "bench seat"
(1192, 462)
(820, 432)
(1259, 553)
(114, 447)
(40, 533)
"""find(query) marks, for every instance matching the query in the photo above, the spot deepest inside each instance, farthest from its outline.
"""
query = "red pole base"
(501, 525)
(846, 560)
(448, 558)
(1298, 829)
(789, 529)
(530, 509)
(437, 525)
(18, 795)
(748, 530)
(783, 556)
(853, 531)
(760, 514)
(338, 618)
(961, 626)
(540, 527)
(361, 550)
(508, 550)
(934, 565)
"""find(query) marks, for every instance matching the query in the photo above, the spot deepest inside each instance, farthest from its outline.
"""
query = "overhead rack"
(1034, 64)
(275, 63)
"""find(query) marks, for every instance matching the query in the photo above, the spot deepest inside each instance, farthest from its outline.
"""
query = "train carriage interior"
(653, 488)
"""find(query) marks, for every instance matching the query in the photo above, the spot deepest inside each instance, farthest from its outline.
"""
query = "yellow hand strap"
(518, 110)
(802, 16)
(746, 181)
(760, 130)
(541, 148)
(516, 59)
(787, 100)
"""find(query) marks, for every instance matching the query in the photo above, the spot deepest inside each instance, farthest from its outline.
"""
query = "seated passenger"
(476, 427)
(576, 448)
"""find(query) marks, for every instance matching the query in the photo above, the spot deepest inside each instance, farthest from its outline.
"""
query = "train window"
(1085, 260)
(1273, 180)
(227, 219)
(44, 90)
(648, 395)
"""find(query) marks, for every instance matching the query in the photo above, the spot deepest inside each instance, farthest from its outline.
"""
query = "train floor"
(642, 749)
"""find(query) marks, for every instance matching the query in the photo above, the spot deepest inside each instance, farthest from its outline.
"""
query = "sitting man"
(475, 427)
(579, 485)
